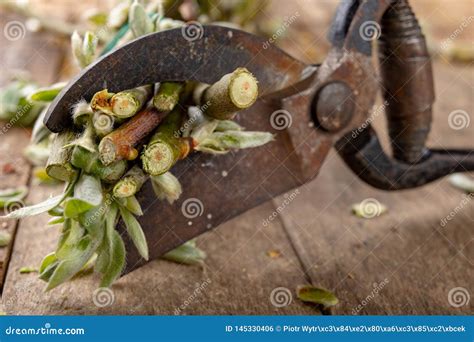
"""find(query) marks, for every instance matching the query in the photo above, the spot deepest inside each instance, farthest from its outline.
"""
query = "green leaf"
(166, 187)
(12, 195)
(239, 140)
(187, 254)
(93, 220)
(140, 23)
(48, 265)
(316, 295)
(72, 234)
(98, 18)
(89, 47)
(77, 257)
(47, 261)
(204, 130)
(55, 220)
(42, 207)
(56, 211)
(105, 250)
(26, 270)
(87, 195)
(132, 204)
(117, 261)
(227, 125)
(47, 94)
(76, 45)
(5, 238)
(65, 231)
(135, 231)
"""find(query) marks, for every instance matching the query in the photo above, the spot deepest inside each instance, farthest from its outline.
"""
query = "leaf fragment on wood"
(316, 295)
(188, 254)
(5, 238)
(462, 182)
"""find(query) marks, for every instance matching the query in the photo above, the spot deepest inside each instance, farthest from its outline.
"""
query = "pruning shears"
(310, 108)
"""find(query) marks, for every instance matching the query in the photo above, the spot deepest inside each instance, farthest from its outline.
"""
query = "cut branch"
(166, 147)
(90, 163)
(233, 92)
(128, 102)
(131, 183)
(58, 165)
(167, 96)
(121, 143)
(101, 102)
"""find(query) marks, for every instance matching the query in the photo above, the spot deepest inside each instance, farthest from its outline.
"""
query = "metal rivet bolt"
(334, 106)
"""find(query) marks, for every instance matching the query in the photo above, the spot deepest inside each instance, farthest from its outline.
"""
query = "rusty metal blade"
(218, 188)
(172, 56)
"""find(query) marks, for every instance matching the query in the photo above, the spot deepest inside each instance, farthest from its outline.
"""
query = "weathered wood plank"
(421, 259)
(238, 276)
(39, 54)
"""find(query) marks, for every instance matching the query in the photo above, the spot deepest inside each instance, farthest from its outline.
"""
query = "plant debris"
(462, 182)
(5, 238)
(369, 208)
(27, 270)
(316, 295)
(119, 142)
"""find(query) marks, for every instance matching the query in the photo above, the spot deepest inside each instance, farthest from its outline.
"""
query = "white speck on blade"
(224, 173)
(209, 216)
(190, 223)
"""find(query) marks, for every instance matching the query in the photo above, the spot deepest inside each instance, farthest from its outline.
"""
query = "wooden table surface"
(403, 262)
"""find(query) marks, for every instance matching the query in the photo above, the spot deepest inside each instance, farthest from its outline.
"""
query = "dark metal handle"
(407, 81)
(366, 158)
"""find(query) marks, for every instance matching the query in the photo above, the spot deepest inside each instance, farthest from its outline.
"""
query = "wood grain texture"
(40, 55)
(421, 258)
(238, 276)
